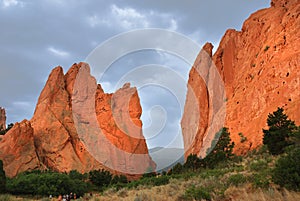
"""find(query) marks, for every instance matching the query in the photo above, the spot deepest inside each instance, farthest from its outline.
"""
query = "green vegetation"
(266, 48)
(9, 126)
(211, 178)
(280, 129)
(220, 151)
(287, 170)
(45, 184)
(2, 179)
(199, 193)
(38, 183)
(237, 179)
(243, 138)
(100, 178)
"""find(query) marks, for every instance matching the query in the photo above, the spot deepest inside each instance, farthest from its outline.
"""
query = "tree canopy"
(280, 129)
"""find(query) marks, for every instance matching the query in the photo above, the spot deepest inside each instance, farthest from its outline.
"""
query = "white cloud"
(173, 26)
(9, 3)
(126, 12)
(129, 18)
(95, 21)
(22, 104)
(57, 52)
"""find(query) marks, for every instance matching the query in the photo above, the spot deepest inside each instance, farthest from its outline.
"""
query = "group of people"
(69, 197)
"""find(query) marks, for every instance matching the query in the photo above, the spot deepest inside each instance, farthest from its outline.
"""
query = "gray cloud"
(39, 35)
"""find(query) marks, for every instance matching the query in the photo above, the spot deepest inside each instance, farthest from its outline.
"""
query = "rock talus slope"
(50, 140)
(260, 68)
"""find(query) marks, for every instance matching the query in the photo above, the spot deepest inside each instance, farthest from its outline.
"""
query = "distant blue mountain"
(166, 158)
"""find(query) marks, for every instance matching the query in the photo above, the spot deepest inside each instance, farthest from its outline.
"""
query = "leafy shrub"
(74, 174)
(177, 169)
(100, 178)
(2, 178)
(4, 131)
(48, 183)
(119, 179)
(236, 179)
(149, 181)
(199, 193)
(216, 173)
(192, 162)
(287, 171)
(258, 165)
(260, 180)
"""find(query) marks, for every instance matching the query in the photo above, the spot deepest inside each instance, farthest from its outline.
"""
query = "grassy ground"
(248, 178)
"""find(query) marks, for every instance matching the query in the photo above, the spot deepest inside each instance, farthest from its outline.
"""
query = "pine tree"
(280, 128)
(221, 149)
(192, 162)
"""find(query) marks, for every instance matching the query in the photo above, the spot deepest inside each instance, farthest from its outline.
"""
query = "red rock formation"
(260, 67)
(2, 119)
(52, 137)
(17, 150)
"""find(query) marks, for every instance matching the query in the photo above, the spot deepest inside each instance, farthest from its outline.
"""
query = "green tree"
(121, 179)
(280, 128)
(4, 131)
(192, 162)
(2, 178)
(177, 169)
(221, 149)
(74, 174)
(295, 137)
(149, 173)
(45, 184)
(100, 178)
(287, 170)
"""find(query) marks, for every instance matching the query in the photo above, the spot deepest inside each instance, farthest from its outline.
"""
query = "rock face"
(52, 139)
(260, 68)
(17, 149)
(2, 119)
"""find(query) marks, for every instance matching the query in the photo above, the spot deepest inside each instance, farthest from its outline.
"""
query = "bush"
(178, 168)
(192, 162)
(194, 193)
(74, 174)
(260, 180)
(119, 179)
(45, 184)
(149, 181)
(4, 131)
(236, 179)
(287, 171)
(100, 178)
(258, 165)
(2, 179)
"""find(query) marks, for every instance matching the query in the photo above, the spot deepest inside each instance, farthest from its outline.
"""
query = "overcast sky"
(36, 36)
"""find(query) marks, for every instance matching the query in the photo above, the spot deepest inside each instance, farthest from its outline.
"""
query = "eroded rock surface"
(50, 140)
(260, 67)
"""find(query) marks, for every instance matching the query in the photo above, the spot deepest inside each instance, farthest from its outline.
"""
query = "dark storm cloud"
(36, 36)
